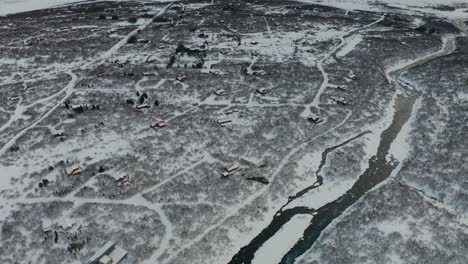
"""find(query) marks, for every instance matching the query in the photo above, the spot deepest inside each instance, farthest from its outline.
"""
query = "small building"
(106, 249)
(14, 98)
(215, 72)
(230, 169)
(159, 124)
(340, 101)
(121, 180)
(59, 133)
(262, 91)
(78, 109)
(149, 74)
(65, 224)
(342, 87)
(142, 106)
(223, 121)
(73, 170)
(110, 253)
(181, 78)
(352, 76)
(220, 92)
(259, 73)
(314, 119)
(100, 74)
(105, 260)
(117, 254)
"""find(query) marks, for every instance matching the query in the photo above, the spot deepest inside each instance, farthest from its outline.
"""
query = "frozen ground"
(447, 8)
(442, 8)
(18, 6)
(347, 128)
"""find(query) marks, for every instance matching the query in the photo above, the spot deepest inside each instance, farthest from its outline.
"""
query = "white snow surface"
(7, 173)
(276, 247)
(349, 46)
(19, 6)
(372, 4)
(423, 6)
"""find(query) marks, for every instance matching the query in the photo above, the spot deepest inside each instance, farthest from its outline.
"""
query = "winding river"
(380, 168)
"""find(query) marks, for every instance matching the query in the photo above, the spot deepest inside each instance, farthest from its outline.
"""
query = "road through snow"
(69, 89)
(325, 83)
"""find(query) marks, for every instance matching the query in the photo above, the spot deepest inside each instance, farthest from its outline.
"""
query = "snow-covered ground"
(424, 6)
(18, 6)
(366, 4)
(188, 109)
(275, 248)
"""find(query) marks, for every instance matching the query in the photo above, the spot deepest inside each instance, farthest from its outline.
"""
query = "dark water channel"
(379, 169)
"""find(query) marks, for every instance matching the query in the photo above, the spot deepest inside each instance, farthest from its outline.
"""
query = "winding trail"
(325, 83)
(295, 148)
(67, 91)
(140, 200)
(448, 46)
(69, 88)
(379, 168)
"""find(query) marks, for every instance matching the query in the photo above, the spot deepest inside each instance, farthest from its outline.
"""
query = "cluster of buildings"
(226, 119)
(342, 100)
(76, 169)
